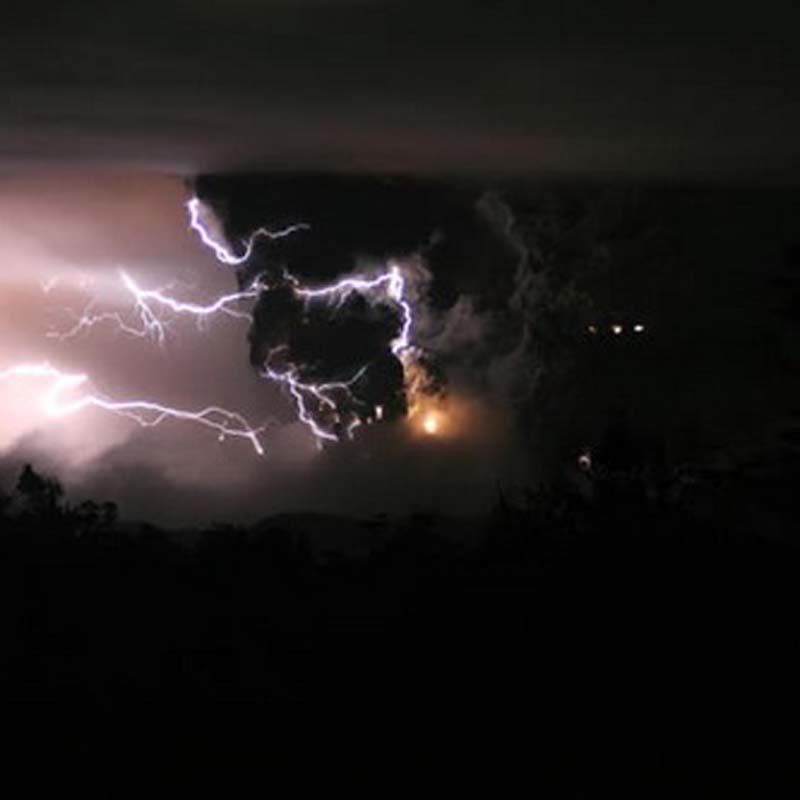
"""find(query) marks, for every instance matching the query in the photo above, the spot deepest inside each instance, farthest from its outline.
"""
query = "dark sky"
(676, 90)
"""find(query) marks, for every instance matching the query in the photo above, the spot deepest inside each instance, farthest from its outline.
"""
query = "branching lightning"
(223, 253)
(148, 323)
(327, 408)
(395, 290)
(323, 394)
(147, 414)
(305, 393)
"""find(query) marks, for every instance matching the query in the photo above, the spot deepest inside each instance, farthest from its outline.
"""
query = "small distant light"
(592, 329)
(379, 412)
(638, 328)
(616, 329)
(585, 461)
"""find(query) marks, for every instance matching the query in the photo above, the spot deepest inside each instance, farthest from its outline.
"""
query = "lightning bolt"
(395, 285)
(303, 392)
(393, 278)
(391, 281)
(151, 326)
(148, 323)
(196, 211)
(67, 393)
(145, 413)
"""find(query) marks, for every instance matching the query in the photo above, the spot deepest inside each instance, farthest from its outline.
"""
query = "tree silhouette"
(41, 495)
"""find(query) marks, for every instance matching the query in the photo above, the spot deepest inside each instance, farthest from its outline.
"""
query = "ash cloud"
(355, 226)
(489, 316)
(468, 278)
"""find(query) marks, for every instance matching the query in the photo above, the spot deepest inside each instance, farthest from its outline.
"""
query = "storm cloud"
(87, 234)
(111, 112)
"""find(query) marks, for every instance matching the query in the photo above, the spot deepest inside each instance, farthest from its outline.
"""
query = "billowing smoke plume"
(486, 280)
(334, 320)
(448, 282)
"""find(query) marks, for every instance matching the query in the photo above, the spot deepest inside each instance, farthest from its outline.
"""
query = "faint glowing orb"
(638, 328)
(430, 424)
(616, 329)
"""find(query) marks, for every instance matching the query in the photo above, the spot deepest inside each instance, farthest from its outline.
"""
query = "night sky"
(677, 90)
(538, 170)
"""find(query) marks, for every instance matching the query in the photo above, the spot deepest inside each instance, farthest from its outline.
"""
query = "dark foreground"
(579, 648)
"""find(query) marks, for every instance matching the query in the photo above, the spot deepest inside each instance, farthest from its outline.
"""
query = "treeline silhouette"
(583, 641)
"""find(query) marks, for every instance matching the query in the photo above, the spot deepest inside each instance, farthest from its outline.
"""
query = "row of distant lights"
(585, 457)
(617, 330)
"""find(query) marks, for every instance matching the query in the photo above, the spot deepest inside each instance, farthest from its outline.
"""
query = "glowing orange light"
(430, 424)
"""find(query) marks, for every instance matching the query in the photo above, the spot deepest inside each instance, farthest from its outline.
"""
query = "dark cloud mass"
(86, 233)
(355, 226)
(509, 280)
